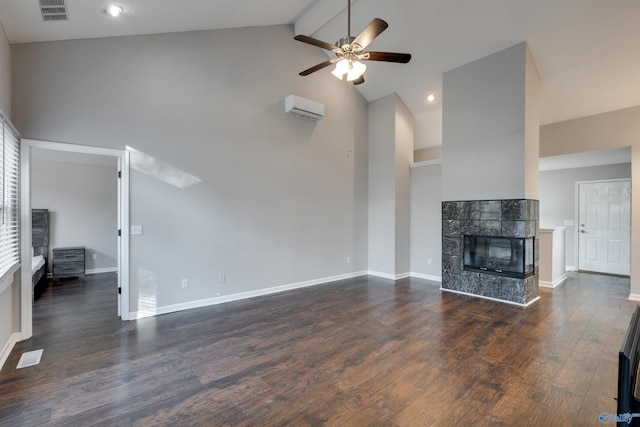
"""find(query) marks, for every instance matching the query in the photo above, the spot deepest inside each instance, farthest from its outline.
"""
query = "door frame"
(26, 298)
(576, 228)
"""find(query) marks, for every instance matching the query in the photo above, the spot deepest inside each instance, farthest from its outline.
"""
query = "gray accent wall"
(558, 198)
(487, 152)
(82, 203)
(276, 200)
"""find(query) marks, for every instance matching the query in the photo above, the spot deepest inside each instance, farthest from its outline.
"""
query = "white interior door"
(604, 226)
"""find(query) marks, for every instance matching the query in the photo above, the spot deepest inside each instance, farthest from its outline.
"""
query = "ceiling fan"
(350, 51)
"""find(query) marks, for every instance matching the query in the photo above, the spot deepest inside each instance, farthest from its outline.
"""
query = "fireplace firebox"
(502, 256)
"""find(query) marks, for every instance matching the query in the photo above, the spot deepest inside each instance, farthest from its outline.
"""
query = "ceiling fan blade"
(358, 81)
(315, 68)
(370, 32)
(310, 40)
(389, 57)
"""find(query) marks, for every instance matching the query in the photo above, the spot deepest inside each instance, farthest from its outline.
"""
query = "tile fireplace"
(490, 249)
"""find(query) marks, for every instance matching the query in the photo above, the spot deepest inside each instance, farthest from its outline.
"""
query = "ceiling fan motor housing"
(346, 44)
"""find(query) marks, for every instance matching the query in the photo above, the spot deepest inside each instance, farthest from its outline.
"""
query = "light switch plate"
(136, 229)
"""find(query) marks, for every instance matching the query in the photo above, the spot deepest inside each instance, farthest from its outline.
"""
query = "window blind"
(10, 215)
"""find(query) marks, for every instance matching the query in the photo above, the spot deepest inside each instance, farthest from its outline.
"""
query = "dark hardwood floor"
(358, 352)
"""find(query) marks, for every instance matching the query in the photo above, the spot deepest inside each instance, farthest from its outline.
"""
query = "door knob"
(582, 231)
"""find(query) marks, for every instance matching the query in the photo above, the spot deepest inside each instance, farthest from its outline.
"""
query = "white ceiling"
(587, 51)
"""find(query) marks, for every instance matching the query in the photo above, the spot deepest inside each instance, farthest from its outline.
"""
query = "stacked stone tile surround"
(496, 218)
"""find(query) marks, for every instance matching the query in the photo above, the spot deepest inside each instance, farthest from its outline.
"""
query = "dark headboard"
(40, 232)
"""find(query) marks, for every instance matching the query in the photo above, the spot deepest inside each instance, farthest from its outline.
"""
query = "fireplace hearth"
(490, 249)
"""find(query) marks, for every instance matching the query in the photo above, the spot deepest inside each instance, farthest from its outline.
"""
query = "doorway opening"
(119, 159)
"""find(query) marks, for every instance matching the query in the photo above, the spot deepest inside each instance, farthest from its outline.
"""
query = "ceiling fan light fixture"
(356, 70)
(352, 69)
(342, 68)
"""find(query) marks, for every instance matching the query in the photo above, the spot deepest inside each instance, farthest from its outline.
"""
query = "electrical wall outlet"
(94, 256)
(185, 283)
(348, 260)
(222, 278)
(429, 261)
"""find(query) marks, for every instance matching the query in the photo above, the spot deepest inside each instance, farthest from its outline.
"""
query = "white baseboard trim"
(559, 281)
(634, 297)
(93, 271)
(155, 311)
(426, 277)
(6, 351)
(571, 268)
(389, 276)
(101, 270)
(491, 299)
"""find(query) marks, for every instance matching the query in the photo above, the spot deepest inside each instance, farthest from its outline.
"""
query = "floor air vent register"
(30, 358)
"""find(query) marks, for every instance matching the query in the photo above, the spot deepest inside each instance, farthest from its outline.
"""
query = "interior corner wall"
(83, 208)
(277, 201)
(426, 220)
(404, 134)
(382, 185)
(427, 154)
(9, 296)
(483, 128)
(391, 131)
(531, 128)
(615, 129)
(5, 73)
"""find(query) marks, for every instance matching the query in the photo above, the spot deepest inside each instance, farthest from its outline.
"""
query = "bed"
(40, 243)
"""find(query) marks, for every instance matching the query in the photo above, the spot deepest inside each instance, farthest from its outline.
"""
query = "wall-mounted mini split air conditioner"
(304, 108)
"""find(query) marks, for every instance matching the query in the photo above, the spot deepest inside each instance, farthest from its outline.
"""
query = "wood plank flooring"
(364, 351)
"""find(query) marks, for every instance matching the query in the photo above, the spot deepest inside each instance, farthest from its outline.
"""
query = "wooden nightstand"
(68, 262)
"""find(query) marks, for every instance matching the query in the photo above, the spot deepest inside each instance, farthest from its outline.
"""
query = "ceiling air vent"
(53, 10)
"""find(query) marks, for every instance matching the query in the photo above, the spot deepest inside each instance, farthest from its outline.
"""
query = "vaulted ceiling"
(587, 51)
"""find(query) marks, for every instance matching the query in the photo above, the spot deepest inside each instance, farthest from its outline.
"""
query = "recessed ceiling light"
(430, 97)
(114, 10)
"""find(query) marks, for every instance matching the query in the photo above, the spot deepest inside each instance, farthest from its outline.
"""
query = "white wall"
(280, 200)
(558, 198)
(82, 203)
(426, 221)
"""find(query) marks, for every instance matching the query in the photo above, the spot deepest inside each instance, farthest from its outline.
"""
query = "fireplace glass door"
(505, 256)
